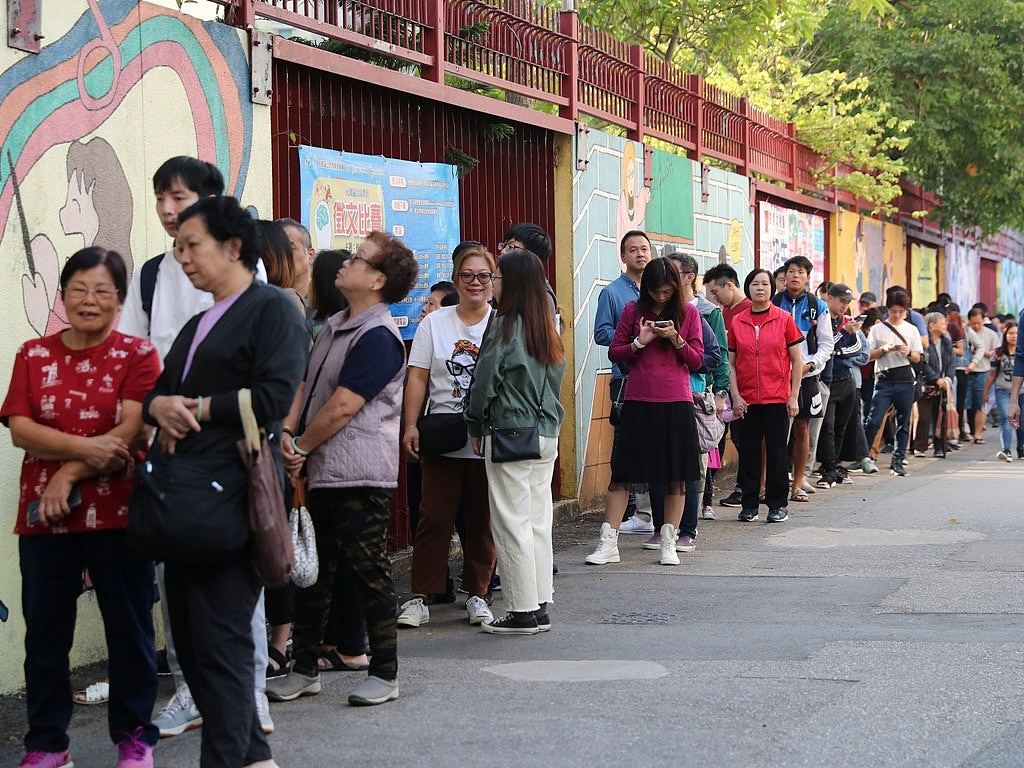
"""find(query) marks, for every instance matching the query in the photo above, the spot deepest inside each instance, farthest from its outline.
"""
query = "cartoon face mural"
(117, 87)
(461, 365)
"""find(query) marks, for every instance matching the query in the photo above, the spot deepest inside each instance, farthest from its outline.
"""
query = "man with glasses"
(532, 238)
(634, 252)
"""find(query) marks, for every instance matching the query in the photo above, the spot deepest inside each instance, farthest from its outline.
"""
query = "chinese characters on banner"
(785, 233)
(346, 196)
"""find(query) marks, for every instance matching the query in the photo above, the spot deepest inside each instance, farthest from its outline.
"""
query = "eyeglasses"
(459, 369)
(505, 247)
(366, 261)
(80, 292)
(483, 278)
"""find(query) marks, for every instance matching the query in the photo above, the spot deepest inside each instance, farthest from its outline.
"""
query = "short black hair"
(632, 233)
(324, 294)
(721, 273)
(894, 288)
(754, 273)
(944, 299)
(94, 256)
(780, 271)
(464, 246)
(798, 261)
(444, 285)
(203, 178)
(980, 305)
(533, 237)
(226, 219)
(450, 299)
(897, 299)
(824, 286)
(975, 310)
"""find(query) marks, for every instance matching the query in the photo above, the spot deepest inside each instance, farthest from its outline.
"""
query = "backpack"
(812, 306)
(147, 284)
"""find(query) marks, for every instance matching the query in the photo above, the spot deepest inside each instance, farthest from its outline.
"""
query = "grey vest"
(363, 453)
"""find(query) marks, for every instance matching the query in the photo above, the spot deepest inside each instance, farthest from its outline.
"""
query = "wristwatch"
(637, 345)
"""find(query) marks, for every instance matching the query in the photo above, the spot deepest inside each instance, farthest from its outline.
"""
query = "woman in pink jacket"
(659, 338)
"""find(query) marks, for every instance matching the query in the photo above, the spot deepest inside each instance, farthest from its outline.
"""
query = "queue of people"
(135, 412)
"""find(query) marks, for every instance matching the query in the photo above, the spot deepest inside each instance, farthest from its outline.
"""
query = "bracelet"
(297, 449)
(199, 409)
(637, 345)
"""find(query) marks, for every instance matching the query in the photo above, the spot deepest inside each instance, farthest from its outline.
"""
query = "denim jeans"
(900, 395)
(1006, 431)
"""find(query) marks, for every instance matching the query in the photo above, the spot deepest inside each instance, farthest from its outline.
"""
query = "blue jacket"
(822, 328)
(851, 353)
(613, 299)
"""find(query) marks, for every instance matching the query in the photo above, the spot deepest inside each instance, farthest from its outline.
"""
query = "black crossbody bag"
(917, 368)
(519, 443)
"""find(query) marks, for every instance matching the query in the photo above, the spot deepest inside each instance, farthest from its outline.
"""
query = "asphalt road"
(882, 625)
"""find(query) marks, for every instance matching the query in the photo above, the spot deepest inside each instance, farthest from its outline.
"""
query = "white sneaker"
(263, 712)
(607, 548)
(668, 545)
(414, 612)
(637, 524)
(180, 714)
(708, 513)
(1005, 456)
(478, 610)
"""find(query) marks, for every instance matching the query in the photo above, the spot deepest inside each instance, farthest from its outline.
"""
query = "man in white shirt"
(983, 343)
(161, 300)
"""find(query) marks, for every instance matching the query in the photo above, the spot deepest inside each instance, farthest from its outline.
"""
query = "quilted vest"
(364, 453)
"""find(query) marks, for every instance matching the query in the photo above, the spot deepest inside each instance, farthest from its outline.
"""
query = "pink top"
(206, 323)
(658, 373)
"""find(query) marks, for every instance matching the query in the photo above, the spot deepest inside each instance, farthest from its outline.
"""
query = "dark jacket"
(940, 362)
(260, 343)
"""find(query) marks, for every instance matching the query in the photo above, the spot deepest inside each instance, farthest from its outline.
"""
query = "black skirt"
(655, 443)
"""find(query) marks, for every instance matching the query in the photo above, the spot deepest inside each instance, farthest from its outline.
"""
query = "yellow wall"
(866, 254)
(188, 94)
(924, 273)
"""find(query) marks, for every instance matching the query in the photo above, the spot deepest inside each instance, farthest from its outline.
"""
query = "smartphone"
(860, 318)
(74, 500)
(663, 323)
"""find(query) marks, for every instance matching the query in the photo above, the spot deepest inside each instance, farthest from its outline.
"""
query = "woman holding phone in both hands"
(660, 337)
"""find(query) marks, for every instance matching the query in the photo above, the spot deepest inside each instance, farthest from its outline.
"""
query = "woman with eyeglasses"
(441, 365)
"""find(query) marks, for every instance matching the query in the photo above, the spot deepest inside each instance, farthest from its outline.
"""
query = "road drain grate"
(640, 619)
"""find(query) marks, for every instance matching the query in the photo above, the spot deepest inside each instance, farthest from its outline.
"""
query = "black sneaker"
(898, 469)
(1020, 452)
(543, 620)
(746, 515)
(828, 479)
(778, 515)
(938, 454)
(887, 448)
(734, 499)
(495, 585)
(514, 624)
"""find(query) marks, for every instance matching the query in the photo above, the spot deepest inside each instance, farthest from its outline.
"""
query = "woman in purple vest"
(345, 422)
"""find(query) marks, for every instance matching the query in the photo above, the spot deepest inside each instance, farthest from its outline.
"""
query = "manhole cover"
(640, 618)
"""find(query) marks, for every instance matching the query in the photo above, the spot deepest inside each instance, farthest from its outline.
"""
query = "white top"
(448, 348)
(880, 336)
(175, 302)
(980, 343)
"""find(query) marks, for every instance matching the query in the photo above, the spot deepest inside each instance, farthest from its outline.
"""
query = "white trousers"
(521, 519)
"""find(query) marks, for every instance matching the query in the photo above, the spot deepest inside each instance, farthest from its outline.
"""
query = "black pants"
(614, 388)
(51, 575)
(770, 424)
(351, 538)
(842, 405)
(930, 411)
(211, 609)
(691, 506)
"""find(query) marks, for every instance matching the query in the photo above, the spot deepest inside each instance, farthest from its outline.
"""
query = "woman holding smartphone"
(660, 337)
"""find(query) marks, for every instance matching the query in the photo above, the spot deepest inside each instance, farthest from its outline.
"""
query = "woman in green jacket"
(516, 383)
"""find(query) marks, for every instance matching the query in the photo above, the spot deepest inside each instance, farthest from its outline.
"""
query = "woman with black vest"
(344, 423)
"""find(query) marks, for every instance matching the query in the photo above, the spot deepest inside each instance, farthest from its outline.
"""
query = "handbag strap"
(892, 328)
(249, 425)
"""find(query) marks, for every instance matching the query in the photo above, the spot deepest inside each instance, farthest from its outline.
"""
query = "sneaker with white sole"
(669, 556)
(637, 525)
(263, 712)
(413, 613)
(478, 610)
(513, 623)
(180, 714)
(708, 513)
(685, 544)
(46, 760)
(867, 466)
(373, 690)
(734, 499)
(1005, 456)
(607, 548)
(653, 543)
(292, 686)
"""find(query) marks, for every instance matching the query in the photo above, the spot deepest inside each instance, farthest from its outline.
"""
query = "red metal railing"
(533, 53)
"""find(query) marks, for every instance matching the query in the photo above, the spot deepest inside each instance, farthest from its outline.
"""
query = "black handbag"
(919, 368)
(191, 508)
(616, 413)
(518, 443)
(441, 433)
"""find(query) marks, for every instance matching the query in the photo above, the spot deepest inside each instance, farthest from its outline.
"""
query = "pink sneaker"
(46, 760)
(134, 753)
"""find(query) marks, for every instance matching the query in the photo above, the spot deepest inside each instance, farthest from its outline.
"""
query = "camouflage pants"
(351, 526)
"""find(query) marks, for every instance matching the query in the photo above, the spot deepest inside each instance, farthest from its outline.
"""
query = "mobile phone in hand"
(74, 500)
(663, 323)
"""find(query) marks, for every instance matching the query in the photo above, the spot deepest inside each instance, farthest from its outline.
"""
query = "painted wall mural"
(963, 273)
(118, 87)
(867, 254)
(785, 233)
(924, 277)
(1011, 286)
(685, 208)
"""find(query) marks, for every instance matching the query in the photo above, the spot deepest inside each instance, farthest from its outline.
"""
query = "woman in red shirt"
(766, 367)
(75, 406)
(660, 338)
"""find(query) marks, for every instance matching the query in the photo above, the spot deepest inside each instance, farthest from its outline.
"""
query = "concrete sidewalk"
(882, 625)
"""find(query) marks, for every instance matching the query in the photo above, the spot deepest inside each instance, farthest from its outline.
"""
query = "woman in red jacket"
(766, 368)
(660, 338)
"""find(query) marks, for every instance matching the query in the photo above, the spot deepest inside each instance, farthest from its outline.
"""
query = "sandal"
(979, 441)
(331, 661)
(97, 693)
(799, 495)
(281, 660)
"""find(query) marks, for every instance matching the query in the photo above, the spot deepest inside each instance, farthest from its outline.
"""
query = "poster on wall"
(924, 262)
(785, 233)
(345, 196)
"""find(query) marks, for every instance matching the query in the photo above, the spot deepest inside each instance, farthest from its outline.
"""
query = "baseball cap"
(841, 291)
(868, 297)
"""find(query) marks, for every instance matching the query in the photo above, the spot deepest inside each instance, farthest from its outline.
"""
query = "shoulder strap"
(777, 299)
(889, 325)
(147, 283)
